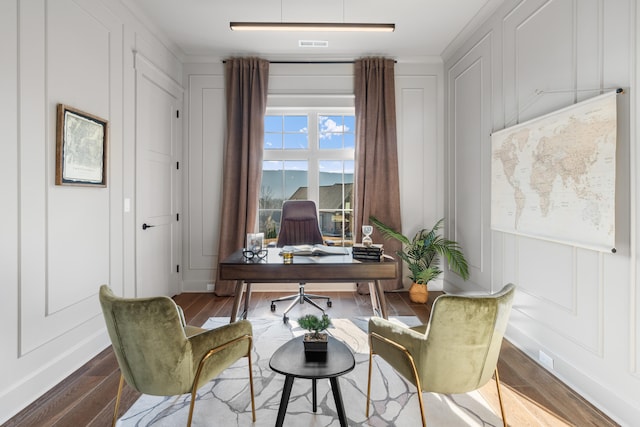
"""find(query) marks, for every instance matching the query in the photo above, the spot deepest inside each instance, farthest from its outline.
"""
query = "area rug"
(225, 401)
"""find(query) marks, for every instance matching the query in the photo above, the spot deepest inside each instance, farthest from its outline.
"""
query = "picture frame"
(81, 148)
(255, 242)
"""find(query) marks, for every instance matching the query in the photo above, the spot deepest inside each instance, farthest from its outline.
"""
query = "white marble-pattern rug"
(225, 401)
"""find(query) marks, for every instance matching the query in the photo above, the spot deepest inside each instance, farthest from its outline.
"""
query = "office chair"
(299, 226)
(456, 352)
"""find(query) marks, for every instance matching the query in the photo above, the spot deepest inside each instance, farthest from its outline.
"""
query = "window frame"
(313, 154)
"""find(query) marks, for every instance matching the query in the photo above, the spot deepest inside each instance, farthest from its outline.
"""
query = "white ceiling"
(200, 28)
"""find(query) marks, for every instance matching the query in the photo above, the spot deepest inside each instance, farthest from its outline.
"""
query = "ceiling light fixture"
(309, 26)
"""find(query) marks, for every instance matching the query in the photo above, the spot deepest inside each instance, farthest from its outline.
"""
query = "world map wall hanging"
(554, 177)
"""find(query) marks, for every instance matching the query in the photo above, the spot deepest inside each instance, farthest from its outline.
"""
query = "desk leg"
(236, 300)
(382, 300)
(284, 401)
(247, 298)
(337, 397)
(373, 294)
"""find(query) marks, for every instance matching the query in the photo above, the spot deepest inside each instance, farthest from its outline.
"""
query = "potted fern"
(422, 256)
(315, 341)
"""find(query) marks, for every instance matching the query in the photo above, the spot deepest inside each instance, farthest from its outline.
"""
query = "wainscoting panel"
(469, 110)
(205, 153)
(66, 230)
(537, 34)
(419, 160)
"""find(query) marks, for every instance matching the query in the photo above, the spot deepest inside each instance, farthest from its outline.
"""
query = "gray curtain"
(246, 81)
(377, 185)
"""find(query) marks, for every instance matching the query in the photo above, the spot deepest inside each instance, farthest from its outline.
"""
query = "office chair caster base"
(285, 319)
(273, 307)
(328, 303)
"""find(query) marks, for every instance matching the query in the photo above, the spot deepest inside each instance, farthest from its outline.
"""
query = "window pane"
(296, 141)
(335, 200)
(336, 132)
(296, 124)
(273, 141)
(350, 140)
(296, 179)
(273, 124)
(281, 180)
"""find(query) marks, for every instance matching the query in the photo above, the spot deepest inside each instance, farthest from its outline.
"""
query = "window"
(309, 154)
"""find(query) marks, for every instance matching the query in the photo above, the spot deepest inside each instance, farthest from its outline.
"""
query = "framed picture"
(255, 242)
(81, 148)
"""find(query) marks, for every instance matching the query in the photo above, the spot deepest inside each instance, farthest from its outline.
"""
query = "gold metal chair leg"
(253, 405)
(504, 417)
(409, 357)
(369, 380)
(194, 392)
(115, 411)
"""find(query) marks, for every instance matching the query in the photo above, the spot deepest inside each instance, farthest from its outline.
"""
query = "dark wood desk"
(305, 269)
(289, 360)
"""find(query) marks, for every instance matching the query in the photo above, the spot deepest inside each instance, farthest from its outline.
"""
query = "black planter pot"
(315, 348)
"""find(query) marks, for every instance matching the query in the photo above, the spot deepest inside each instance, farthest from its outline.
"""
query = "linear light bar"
(309, 26)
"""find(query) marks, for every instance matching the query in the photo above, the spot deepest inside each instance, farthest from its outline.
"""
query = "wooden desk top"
(322, 268)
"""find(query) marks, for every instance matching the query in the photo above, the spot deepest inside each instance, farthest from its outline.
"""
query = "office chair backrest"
(463, 340)
(299, 224)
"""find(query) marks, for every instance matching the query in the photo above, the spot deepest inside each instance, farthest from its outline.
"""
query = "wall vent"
(313, 43)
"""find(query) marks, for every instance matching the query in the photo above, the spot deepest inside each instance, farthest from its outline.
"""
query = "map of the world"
(554, 177)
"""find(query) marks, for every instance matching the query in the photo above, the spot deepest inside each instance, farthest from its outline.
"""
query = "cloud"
(328, 127)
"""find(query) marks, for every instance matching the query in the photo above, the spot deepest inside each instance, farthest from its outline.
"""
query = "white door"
(158, 235)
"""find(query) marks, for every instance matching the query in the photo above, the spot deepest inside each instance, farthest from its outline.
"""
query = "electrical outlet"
(545, 360)
(210, 287)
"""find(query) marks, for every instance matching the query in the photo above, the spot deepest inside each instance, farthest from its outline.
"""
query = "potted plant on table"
(315, 341)
(422, 256)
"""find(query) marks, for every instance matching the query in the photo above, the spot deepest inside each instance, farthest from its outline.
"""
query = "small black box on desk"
(367, 253)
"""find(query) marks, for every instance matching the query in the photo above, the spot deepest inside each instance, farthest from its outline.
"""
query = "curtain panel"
(246, 84)
(377, 184)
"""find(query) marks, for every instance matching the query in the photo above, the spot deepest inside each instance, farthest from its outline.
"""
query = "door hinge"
(177, 217)
(177, 114)
(178, 268)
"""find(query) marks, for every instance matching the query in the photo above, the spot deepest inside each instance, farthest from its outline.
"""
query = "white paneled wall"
(576, 305)
(60, 243)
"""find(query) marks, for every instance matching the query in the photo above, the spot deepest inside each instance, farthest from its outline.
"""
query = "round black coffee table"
(289, 360)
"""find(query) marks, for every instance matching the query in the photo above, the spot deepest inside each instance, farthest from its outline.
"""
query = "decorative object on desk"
(287, 257)
(366, 239)
(315, 341)
(255, 242)
(422, 256)
(250, 255)
(374, 252)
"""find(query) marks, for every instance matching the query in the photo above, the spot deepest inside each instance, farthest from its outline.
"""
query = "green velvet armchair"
(456, 352)
(160, 355)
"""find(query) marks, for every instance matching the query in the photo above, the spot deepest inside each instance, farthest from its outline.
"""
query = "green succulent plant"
(314, 324)
(422, 253)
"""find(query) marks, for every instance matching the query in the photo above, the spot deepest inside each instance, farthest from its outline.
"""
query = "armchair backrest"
(299, 224)
(149, 342)
(463, 340)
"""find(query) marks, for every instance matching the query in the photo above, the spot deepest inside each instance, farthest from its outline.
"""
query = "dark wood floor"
(533, 397)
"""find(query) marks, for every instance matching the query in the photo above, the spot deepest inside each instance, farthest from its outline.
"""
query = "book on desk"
(316, 250)
(373, 252)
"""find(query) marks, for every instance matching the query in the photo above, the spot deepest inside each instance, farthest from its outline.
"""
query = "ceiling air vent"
(313, 43)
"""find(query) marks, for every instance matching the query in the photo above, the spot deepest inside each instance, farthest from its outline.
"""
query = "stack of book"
(367, 253)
